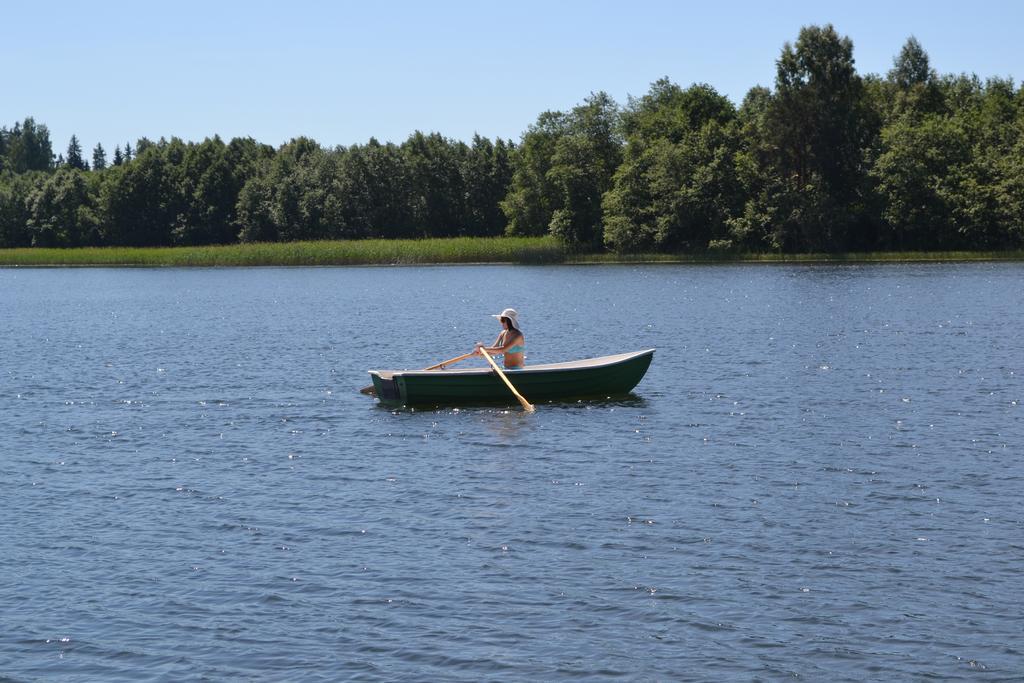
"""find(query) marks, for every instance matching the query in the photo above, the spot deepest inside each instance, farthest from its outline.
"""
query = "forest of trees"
(825, 161)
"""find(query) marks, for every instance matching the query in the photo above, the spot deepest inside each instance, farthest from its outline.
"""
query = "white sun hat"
(511, 314)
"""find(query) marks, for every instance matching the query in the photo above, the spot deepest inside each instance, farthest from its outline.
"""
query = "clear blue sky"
(343, 71)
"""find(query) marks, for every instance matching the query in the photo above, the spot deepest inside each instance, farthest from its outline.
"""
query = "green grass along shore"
(521, 250)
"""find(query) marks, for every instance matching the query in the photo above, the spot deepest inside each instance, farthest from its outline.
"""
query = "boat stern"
(387, 387)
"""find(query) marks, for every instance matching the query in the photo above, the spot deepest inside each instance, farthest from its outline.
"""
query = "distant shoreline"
(439, 251)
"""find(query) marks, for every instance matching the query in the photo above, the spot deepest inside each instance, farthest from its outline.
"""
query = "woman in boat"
(510, 342)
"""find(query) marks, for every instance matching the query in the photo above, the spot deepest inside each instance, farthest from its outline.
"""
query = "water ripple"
(819, 478)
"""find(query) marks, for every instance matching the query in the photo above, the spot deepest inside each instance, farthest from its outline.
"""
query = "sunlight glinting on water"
(819, 476)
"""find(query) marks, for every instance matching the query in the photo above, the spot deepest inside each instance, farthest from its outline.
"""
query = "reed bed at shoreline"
(439, 251)
(327, 253)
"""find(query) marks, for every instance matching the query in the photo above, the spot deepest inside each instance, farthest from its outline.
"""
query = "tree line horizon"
(825, 161)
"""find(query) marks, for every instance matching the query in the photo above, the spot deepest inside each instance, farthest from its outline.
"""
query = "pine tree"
(74, 158)
(127, 152)
(118, 159)
(99, 158)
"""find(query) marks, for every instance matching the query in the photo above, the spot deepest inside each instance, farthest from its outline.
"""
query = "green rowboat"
(591, 378)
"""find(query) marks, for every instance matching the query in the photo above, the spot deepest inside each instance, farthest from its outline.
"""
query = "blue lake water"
(821, 477)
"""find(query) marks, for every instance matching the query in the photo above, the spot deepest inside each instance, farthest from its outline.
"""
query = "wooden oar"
(371, 391)
(442, 364)
(526, 404)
